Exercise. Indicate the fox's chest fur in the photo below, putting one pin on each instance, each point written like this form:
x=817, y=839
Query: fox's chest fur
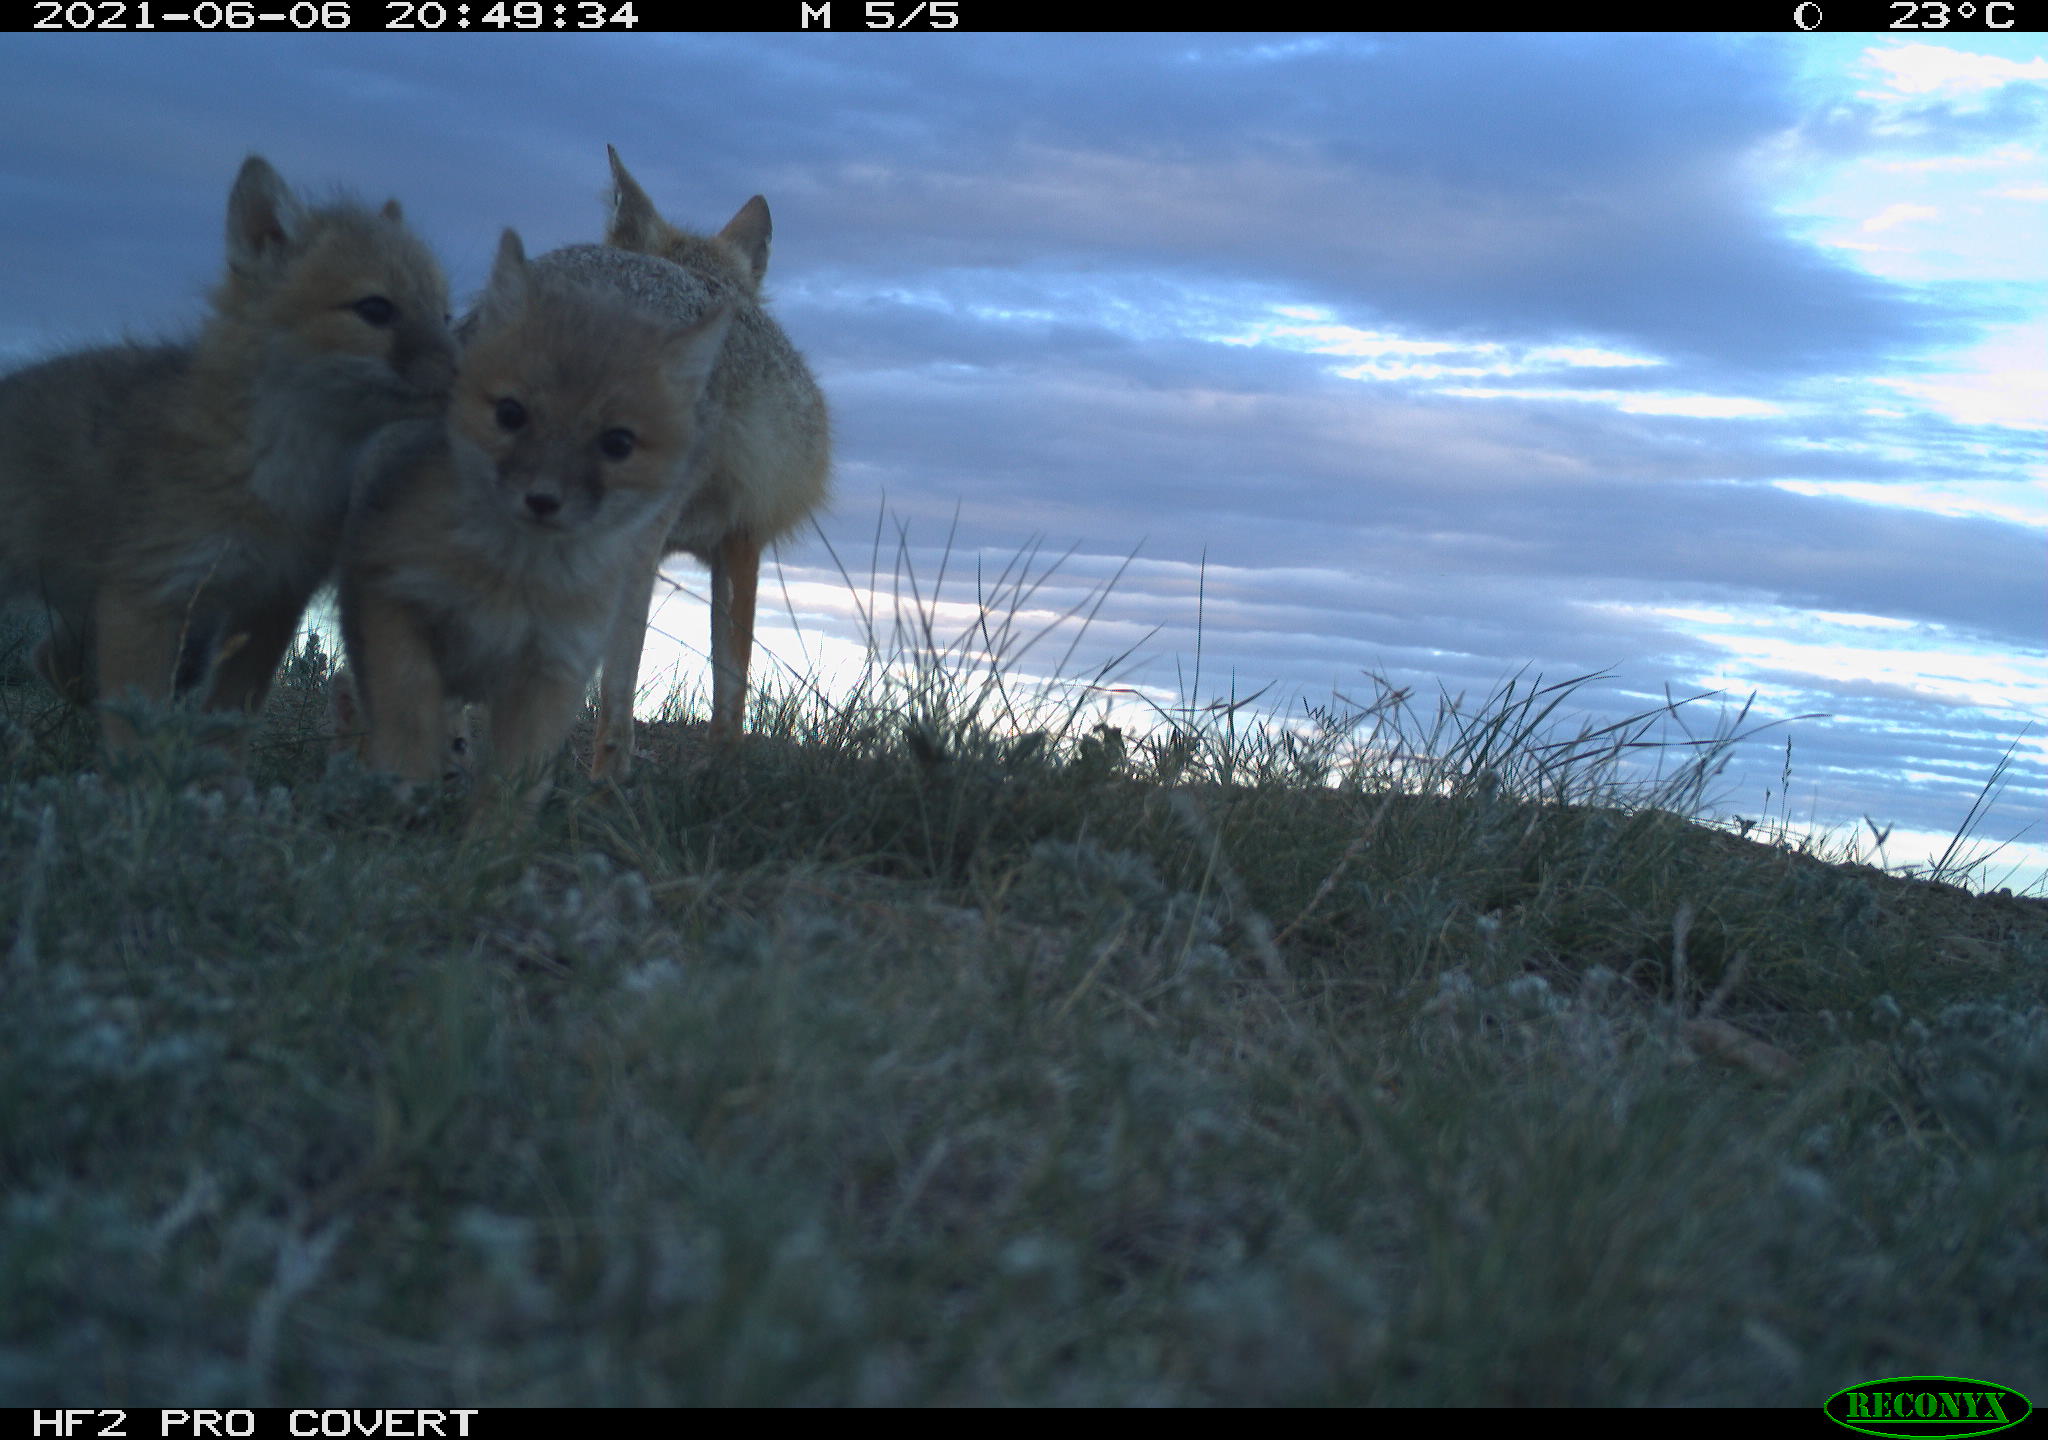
x=506, y=597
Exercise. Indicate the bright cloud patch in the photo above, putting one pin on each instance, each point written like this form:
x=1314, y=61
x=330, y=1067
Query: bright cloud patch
x=2002, y=381
x=1841, y=653
x=2019, y=504
x=1892, y=215
x=1973, y=214
x=1937, y=69
x=1387, y=356
x=1630, y=402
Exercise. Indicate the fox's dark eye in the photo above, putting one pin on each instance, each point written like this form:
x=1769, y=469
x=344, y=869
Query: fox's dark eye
x=617, y=443
x=375, y=310
x=511, y=414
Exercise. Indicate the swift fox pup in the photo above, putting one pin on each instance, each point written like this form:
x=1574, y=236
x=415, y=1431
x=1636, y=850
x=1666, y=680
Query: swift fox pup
x=488, y=554
x=766, y=448
x=175, y=506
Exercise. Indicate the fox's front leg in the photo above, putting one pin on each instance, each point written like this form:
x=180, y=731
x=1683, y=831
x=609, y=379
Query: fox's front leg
x=529, y=721
x=242, y=677
x=611, y=752
x=398, y=689
x=139, y=641
x=349, y=735
x=735, y=576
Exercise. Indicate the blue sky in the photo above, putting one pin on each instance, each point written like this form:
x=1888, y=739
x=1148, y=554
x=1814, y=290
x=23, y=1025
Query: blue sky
x=1715, y=362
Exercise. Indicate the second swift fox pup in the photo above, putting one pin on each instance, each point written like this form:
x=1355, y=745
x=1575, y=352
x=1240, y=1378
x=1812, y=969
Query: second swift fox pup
x=767, y=443
x=175, y=506
x=487, y=555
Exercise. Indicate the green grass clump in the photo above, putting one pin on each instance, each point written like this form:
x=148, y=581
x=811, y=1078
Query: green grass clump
x=942, y=1044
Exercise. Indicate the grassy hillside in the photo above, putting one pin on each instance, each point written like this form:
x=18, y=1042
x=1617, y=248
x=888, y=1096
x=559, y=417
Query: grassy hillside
x=892, y=1058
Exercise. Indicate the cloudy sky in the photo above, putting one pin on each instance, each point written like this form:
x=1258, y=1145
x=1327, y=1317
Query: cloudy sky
x=1713, y=362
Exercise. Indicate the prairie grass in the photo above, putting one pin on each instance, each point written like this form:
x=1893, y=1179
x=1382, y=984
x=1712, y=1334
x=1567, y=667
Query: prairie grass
x=945, y=1044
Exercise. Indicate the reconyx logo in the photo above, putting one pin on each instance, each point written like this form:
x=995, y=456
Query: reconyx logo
x=1912, y=1406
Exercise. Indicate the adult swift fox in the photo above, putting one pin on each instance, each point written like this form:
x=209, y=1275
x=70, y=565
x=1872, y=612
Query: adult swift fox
x=767, y=444
x=175, y=506
x=488, y=554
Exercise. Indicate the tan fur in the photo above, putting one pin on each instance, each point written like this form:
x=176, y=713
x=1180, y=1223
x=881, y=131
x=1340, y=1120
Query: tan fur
x=488, y=556
x=174, y=506
x=350, y=732
x=767, y=447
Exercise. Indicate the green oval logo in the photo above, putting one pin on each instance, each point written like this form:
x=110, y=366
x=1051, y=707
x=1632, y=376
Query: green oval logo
x=1912, y=1406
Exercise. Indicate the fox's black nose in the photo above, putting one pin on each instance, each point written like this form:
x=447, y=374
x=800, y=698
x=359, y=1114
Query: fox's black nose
x=542, y=505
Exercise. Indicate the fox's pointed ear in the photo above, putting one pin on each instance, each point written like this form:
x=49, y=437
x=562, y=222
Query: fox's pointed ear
x=510, y=253
x=264, y=217
x=748, y=232
x=690, y=355
x=505, y=299
x=635, y=223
